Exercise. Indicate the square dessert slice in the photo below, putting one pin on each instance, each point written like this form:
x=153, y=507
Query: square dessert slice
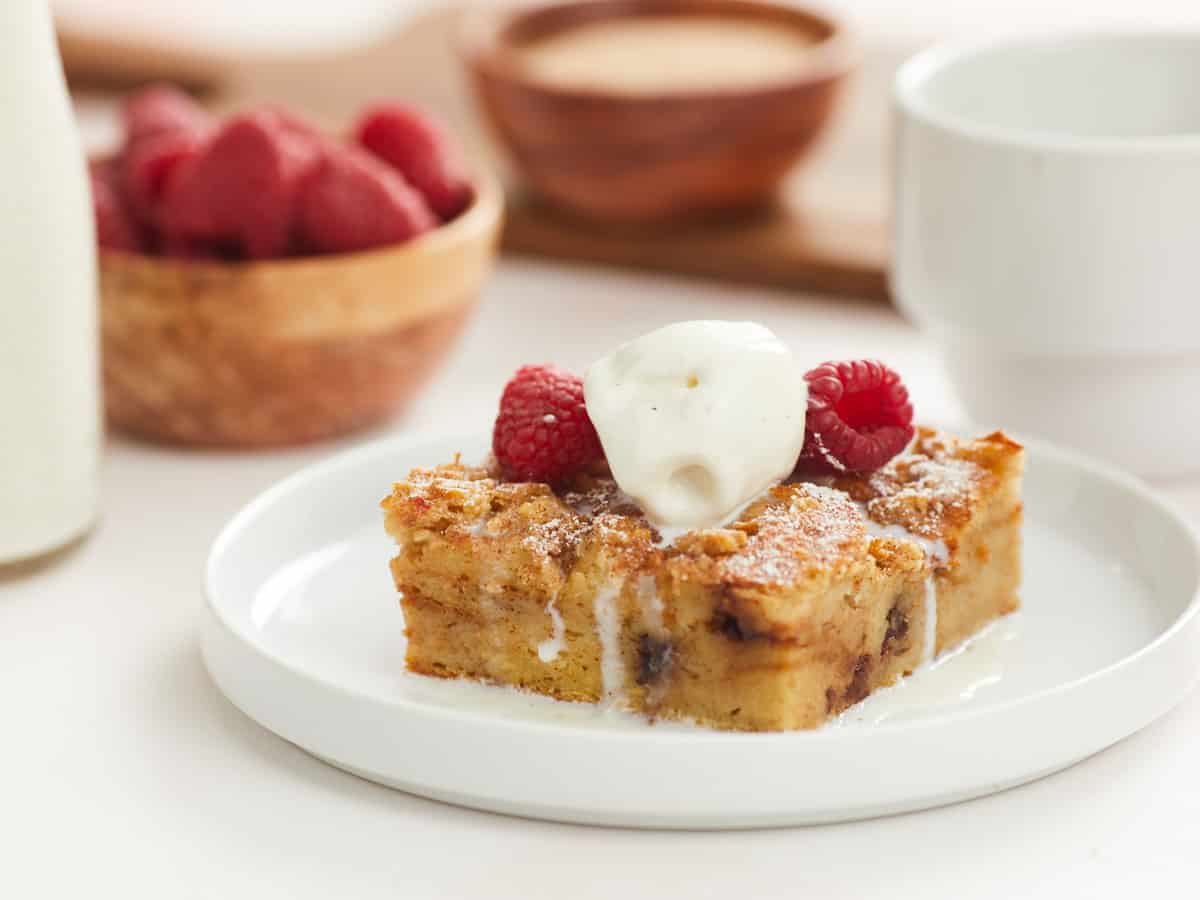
x=818, y=595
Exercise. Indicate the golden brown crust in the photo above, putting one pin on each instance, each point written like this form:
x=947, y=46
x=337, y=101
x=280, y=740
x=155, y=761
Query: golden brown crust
x=936, y=486
x=808, y=602
x=801, y=536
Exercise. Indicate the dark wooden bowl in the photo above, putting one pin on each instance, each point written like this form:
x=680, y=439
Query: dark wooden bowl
x=652, y=156
x=287, y=351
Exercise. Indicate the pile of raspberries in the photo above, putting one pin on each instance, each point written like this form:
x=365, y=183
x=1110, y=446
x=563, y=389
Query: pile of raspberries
x=266, y=184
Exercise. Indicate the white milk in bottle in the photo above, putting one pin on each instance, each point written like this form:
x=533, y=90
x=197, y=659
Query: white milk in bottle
x=49, y=377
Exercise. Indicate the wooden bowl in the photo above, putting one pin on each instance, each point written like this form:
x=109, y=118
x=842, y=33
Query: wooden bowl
x=612, y=154
x=286, y=351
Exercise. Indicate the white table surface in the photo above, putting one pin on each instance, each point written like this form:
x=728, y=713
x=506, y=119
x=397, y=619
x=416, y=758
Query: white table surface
x=127, y=774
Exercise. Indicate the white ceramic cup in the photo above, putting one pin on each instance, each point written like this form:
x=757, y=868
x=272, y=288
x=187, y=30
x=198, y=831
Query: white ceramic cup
x=1047, y=235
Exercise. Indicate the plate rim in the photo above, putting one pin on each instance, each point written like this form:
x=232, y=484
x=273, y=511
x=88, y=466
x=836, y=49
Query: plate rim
x=413, y=441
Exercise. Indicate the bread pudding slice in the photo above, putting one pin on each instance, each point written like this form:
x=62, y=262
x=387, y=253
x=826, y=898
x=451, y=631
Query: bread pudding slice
x=820, y=593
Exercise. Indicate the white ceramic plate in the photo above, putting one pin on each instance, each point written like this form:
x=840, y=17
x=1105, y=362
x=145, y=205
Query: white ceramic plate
x=306, y=636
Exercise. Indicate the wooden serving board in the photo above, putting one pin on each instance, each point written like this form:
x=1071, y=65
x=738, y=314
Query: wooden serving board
x=828, y=232
x=791, y=246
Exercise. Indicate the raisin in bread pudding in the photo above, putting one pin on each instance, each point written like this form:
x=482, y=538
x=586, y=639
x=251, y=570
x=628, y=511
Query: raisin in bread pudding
x=831, y=582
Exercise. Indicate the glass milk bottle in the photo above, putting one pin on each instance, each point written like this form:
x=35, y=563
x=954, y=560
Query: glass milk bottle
x=50, y=429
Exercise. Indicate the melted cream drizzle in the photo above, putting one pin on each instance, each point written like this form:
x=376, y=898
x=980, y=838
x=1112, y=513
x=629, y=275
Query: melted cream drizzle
x=936, y=554
x=651, y=603
x=652, y=615
x=929, y=648
x=669, y=533
x=953, y=679
x=608, y=630
x=549, y=649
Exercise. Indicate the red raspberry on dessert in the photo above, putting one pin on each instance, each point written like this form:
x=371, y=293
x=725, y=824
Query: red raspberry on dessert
x=543, y=432
x=352, y=201
x=859, y=417
x=412, y=143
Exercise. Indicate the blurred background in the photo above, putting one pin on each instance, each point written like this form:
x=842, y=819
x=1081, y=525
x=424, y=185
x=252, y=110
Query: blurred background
x=208, y=43
x=325, y=59
x=823, y=248
x=310, y=24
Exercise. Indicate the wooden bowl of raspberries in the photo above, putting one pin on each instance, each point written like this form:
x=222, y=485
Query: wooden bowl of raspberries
x=263, y=283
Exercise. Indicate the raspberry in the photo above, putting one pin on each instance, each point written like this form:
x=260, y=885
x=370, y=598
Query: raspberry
x=146, y=168
x=543, y=432
x=421, y=151
x=352, y=201
x=115, y=228
x=859, y=416
x=162, y=108
x=163, y=127
x=298, y=126
x=193, y=249
x=242, y=188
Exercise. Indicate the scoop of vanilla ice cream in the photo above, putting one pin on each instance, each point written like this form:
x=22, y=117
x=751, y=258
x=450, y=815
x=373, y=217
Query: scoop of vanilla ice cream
x=698, y=418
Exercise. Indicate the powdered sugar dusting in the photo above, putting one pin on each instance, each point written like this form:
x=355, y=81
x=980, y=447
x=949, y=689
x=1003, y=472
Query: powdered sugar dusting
x=924, y=490
x=554, y=537
x=601, y=498
x=816, y=528
x=942, y=478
